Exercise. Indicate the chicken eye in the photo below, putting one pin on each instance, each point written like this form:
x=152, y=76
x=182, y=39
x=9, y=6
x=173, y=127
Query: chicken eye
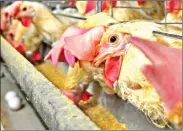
x=24, y=9
x=113, y=39
x=11, y=35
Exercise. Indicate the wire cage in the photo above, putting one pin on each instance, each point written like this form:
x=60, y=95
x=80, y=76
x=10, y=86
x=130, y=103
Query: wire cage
x=40, y=107
x=165, y=9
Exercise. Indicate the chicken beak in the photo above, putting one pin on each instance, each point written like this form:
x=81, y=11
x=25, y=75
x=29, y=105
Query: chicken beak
x=31, y=14
x=26, y=18
x=113, y=58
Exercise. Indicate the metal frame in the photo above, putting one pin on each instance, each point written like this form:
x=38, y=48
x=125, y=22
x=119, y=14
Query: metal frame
x=165, y=11
x=99, y=9
x=55, y=109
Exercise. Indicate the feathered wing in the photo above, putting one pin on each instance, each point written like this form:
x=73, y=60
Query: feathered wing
x=97, y=20
x=75, y=75
x=20, y=32
x=55, y=75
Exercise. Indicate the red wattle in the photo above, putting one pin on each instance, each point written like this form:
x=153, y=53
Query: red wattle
x=36, y=56
x=112, y=70
x=26, y=21
x=85, y=96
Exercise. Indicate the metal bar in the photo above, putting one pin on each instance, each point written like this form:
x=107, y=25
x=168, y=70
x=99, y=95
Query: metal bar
x=118, y=0
x=132, y=7
x=70, y=16
x=168, y=23
x=146, y=0
x=112, y=13
x=99, y=6
x=168, y=35
x=165, y=11
x=56, y=110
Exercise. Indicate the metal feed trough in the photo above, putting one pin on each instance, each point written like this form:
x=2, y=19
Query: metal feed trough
x=56, y=110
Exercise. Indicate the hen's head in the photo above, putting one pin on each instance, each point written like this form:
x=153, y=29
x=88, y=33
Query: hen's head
x=96, y=46
x=8, y=13
x=113, y=47
x=103, y=47
x=26, y=14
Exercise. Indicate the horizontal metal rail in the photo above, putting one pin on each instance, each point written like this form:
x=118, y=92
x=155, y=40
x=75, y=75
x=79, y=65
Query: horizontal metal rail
x=70, y=16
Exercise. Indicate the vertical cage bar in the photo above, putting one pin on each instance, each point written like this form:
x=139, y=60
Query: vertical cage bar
x=99, y=6
x=112, y=15
x=165, y=11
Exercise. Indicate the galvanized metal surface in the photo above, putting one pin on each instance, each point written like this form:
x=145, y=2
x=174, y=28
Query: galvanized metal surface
x=24, y=119
x=123, y=111
x=56, y=110
x=126, y=113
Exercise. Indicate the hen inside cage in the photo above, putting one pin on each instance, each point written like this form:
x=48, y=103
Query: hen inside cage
x=82, y=47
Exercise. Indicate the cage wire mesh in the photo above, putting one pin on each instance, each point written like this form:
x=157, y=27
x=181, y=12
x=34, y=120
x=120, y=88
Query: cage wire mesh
x=99, y=9
x=64, y=4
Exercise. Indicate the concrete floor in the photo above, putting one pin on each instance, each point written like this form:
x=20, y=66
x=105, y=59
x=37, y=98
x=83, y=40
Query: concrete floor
x=24, y=119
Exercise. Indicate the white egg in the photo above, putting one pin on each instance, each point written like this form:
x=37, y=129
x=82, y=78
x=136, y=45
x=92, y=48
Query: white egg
x=9, y=95
x=15, y=103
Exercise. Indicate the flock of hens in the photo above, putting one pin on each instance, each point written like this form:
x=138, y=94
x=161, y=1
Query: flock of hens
x=99, y=47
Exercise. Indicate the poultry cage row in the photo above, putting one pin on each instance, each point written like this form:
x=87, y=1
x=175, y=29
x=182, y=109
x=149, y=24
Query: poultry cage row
x=56, y=110
x=165, y=10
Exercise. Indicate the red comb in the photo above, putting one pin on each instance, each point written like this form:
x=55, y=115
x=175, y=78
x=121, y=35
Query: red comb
x=72, y=3
x=173, y=6
x=141, y=2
